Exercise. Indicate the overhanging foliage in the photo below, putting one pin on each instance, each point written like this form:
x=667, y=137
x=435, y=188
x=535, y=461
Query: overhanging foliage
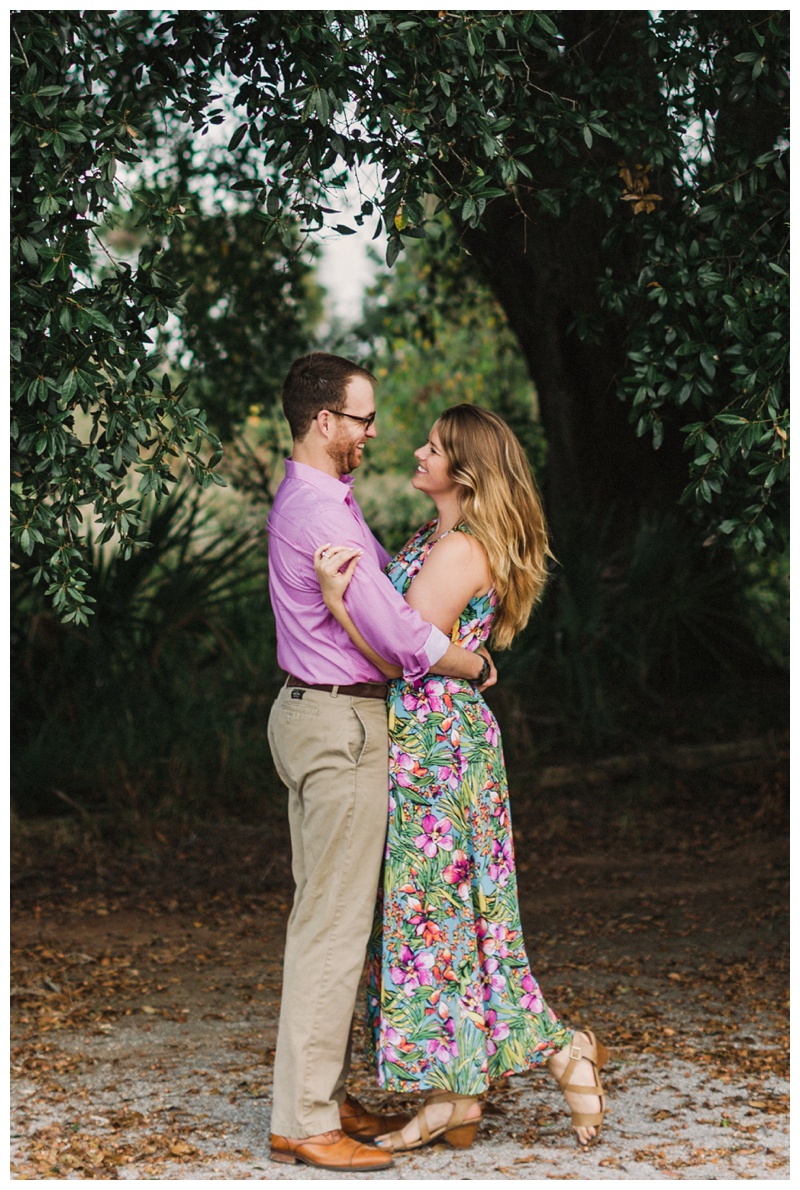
x=523, y=116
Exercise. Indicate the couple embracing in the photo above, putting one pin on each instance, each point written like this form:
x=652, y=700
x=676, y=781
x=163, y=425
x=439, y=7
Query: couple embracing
x=381, y=715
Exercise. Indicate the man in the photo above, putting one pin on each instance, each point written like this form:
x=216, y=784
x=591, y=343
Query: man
x=329, y=739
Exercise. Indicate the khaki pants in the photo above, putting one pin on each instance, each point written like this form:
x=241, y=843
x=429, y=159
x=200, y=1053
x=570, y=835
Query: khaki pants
x=331, y=751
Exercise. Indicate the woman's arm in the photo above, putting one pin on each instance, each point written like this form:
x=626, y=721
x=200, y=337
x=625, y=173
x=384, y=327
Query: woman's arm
x=454, y=572
x=333, y=584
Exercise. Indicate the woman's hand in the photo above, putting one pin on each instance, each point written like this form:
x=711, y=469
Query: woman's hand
x=333, y=581
x=492, y=678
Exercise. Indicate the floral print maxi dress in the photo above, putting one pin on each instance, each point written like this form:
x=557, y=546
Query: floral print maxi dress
x=451, y=1000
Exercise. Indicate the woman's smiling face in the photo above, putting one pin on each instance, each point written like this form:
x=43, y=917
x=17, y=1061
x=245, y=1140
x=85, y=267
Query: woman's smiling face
x=431, y=475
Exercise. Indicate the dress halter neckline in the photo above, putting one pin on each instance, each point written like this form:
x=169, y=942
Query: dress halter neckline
x=460, y=527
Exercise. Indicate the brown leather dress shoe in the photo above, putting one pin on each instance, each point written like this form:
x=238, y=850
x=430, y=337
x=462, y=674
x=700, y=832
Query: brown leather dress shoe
x=361, y=1124
x=331, y=1150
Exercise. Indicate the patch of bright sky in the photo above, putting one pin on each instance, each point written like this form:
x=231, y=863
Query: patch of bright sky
x=347, y=265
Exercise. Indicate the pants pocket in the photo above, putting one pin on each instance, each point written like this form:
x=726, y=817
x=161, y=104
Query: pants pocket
x=273, y=745
x=357, y=735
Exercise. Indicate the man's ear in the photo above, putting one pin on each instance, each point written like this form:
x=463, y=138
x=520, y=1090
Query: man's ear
x=323, y=422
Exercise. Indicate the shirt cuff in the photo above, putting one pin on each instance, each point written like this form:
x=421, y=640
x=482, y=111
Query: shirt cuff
x=436, y=645
x=434, y=648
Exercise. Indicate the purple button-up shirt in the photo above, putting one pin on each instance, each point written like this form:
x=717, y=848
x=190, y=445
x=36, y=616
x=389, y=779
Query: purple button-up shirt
x=312, y=508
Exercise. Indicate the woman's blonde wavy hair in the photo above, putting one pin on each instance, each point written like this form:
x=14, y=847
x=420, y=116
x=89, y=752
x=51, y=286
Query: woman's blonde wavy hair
x=502, y=509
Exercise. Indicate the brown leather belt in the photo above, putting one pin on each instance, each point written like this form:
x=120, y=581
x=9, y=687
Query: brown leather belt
x=357, y=690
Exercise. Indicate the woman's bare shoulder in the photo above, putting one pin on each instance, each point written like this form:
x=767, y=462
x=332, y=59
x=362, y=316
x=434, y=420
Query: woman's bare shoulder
x=461, y=550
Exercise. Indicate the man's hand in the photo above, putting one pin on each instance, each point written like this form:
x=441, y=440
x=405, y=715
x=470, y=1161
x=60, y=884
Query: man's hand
x=492, y=678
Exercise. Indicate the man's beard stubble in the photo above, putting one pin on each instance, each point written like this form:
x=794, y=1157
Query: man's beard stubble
x=345, y=455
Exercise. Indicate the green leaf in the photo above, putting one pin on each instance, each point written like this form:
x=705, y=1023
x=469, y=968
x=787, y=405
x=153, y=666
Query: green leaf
x=322, y=104
x=28, y=249
x=708, y=365
x=238, y=137
x=544, y=21
x=393, y=249
x=98, y=319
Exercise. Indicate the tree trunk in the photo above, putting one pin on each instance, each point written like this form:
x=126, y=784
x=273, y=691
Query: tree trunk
x=543, y=274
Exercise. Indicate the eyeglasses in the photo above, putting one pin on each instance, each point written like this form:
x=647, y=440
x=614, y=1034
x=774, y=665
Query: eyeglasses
x=366, y=422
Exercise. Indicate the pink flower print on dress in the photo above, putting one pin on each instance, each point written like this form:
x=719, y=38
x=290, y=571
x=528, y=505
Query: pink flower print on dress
x=471, y=1002
x=416, y=707
x=394, y=1044
x=424, y=925
x=435, y=836
x=498, y=807
x=458, y=872
x=492, y=939
x=503, y=863
x=492, y=981
x=492, y=735
x=405, y=769
x=445, y=775
x=471, y=633
x=434, y=689
x=413, y=567
x=497, y=1031
x=412, y=970
x=500, y=936
x=533, y=996
x=441, y=1049
x=471, y=994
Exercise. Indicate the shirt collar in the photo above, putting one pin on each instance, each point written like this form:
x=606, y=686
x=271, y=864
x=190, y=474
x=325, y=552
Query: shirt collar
x=338, y=489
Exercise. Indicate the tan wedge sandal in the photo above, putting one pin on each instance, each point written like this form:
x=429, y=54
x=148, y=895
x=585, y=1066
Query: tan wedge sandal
x=598, y=1055
x=458, y=1131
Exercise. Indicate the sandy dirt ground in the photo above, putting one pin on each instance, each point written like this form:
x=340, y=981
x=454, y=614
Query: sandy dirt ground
x=146, y=987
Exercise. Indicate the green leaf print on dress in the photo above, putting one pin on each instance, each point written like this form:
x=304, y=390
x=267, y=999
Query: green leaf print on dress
x=451, y=999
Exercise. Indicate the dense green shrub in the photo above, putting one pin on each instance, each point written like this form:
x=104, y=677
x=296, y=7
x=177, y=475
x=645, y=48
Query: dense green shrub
x=159, y=704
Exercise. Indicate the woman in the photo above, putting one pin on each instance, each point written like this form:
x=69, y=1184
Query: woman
x=451, y=998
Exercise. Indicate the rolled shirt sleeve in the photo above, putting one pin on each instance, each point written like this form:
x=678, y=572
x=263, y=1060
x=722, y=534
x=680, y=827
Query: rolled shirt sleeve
x=388, y=624
x=310, y=509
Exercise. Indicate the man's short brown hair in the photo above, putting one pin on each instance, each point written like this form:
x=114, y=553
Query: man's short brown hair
x=315, y=382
